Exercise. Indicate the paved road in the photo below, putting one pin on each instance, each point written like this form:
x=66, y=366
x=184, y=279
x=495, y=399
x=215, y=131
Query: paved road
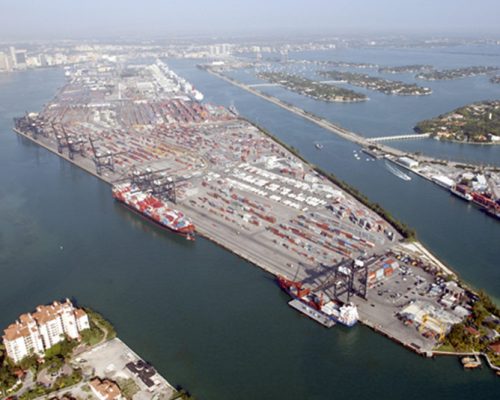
x=330, y=126
x=323, y=123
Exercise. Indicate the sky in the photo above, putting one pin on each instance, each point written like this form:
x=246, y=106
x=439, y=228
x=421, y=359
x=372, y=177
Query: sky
x=57, y=19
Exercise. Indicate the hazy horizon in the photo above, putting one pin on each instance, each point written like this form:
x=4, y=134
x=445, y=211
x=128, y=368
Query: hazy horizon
x=58, y=19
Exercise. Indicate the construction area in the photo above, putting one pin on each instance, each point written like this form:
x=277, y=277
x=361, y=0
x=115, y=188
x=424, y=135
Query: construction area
x=240, y=188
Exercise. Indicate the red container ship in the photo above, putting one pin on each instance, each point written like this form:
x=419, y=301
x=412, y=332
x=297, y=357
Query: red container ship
x=154, y=209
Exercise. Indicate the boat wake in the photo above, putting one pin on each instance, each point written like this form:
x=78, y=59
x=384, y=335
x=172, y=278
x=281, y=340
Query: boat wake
x=396, y=171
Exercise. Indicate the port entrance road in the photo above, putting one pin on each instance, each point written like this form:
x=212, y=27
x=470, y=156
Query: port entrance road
x=338, y=130
x=346, y=134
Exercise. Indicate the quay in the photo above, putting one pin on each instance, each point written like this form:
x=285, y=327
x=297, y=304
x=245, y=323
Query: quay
x=115, y=360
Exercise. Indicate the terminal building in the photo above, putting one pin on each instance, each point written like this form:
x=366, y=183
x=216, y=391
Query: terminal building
x=37, y=332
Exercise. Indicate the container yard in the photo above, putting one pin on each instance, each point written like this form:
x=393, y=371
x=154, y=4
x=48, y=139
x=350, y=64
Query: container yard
x=144, y=130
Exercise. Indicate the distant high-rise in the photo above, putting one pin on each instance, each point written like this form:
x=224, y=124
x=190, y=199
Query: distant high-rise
x=20, y=58
x=12, y=51
x=222, y=49
x=17, y=58
x=5, y=64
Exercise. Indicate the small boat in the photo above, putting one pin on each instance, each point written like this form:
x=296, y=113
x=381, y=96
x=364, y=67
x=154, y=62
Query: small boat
x=319, y=146
x=471, y=362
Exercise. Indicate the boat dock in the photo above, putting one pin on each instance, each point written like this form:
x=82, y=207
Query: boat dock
x=310, y=312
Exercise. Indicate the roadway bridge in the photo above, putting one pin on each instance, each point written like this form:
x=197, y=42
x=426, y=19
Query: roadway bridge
x=399, y=137
x=267, y=84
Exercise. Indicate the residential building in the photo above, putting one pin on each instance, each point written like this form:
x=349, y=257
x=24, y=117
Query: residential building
x=48, y=325
x=105, y=389
x=5, y=64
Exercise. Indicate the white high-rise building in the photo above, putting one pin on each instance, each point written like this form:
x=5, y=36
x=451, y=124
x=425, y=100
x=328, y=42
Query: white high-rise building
x=5, y=64
x=48, y=325
x=12, y=51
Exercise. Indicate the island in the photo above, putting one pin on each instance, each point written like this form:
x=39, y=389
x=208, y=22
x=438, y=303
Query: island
x=405, y=69
x=456, y=73
x=164, y=153
x=62, y=351
x=473, y=123
x=313, y=89
x=378, y=84
x=348, y=64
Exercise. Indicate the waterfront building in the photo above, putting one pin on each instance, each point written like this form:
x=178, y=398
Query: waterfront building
x=5, y=64
x=105, y=389
x=48, y=325
x=222, y=49
x=408, y=162
x=20, y=59
x=12, y=51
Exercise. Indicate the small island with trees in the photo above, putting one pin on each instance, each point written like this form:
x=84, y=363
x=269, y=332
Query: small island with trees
x=313, y=89
x=406, y=69
x=348, y=64
x=456, y=73
x=473, y=123
x=378, y=84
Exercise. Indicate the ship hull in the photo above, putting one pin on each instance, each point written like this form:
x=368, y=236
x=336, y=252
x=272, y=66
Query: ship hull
x=286, y=286
x=461, y=195
x=186, y=234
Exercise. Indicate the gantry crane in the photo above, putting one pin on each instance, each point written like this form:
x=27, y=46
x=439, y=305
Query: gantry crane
x=103, y=160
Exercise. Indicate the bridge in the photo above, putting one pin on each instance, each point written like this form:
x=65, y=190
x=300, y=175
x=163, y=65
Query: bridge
x=399, y=137
x=268, y=84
